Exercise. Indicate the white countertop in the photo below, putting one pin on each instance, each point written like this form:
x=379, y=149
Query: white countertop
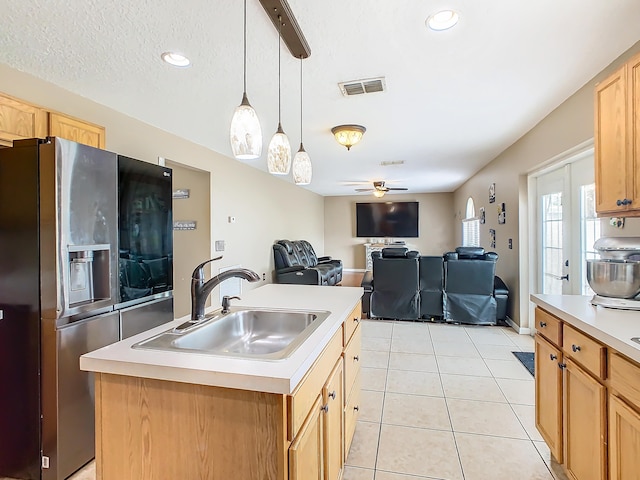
x=273, y=376
x=612, y=327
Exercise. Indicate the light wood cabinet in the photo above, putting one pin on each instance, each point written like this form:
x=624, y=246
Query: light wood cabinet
x=585, y=428
x=624, y=440
x=571, y=398
x=617, y=141
x=76, y=130
x=548, y=380
x=305, y=453
x=19, y=120
x=333, y=398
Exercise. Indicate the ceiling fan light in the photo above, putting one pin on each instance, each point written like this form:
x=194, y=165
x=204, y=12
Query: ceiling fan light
x=443, y=20
x=348, y=135
x=245, y=133
x=302, y=169
x=379, y=193
x=279, y=153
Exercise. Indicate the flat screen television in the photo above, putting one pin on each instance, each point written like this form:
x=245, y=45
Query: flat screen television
x=387, y=219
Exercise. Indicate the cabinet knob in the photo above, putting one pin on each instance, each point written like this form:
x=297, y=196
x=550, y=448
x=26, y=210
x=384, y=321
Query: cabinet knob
x=553, y=357
x=562, y=366
x=356, y=358
x=356, y=408
x=619, y=202
x=543, y=324
x=575, y=348
x=626, y=201
x=333, y=395
x=356, y=319
x=325, y=408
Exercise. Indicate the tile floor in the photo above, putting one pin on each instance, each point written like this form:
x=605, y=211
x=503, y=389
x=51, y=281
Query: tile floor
x=443, y=402
x=446, y=402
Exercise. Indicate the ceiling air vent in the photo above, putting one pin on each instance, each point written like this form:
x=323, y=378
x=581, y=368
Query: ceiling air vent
x=358, y=87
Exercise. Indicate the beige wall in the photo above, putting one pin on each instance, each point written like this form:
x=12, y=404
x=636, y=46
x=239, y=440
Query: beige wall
x=266, y=208
x=436, y=226
x=569, y=125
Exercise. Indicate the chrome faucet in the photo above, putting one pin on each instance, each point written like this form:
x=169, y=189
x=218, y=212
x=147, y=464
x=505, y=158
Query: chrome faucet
x=200, y=289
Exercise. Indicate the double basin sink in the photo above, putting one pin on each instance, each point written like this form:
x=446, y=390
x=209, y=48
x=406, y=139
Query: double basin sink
x=265, y=334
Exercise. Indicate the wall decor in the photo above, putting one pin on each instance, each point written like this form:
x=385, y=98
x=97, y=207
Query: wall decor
x=185, y=225
x=492, y=237
x=492, y=193
x=482, y=218
x=181, y=193
x=502, y=214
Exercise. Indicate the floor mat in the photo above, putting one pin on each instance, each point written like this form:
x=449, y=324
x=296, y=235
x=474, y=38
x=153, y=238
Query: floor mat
x=526, y=358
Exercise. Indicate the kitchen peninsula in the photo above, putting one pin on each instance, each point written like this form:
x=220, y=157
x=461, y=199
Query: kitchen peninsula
x=587, y=365
x=167, y=414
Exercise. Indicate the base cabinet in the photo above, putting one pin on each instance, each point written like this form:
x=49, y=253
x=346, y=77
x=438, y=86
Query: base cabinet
x=548, y=380
x=333, y=424
x=624, y=440
x=585, y=425
x=305, y=453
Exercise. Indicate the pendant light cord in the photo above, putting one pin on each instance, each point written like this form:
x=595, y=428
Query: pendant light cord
x=301, y=100
x=279, y=48
x=244, y=70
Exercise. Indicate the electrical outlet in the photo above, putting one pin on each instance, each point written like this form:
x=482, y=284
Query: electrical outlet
x=232, y=219
x=511, y=244
x=264, y=277
x=219, y=245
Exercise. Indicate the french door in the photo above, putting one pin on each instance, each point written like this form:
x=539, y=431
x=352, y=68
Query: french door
x=567, y=227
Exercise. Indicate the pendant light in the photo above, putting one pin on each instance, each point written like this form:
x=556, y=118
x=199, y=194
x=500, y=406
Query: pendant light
x=302, y=169
x=245, y=132
x=279, y=153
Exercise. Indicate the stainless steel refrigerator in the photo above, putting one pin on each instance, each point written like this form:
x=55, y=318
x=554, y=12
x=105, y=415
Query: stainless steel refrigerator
x=58, y=287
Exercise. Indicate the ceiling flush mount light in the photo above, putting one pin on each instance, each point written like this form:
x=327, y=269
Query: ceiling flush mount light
x=175, y=59
x=442, y=20
x=348, y=135
x=279, y=154
x=245, y=133
x=379, y=193
x=302, y=169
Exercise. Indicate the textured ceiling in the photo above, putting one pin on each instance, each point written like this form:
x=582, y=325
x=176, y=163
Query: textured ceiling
x=454, y=99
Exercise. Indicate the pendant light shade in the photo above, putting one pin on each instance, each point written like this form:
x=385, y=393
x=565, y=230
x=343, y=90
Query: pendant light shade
x=302, y=169
x=245, y=133
x=279, y=153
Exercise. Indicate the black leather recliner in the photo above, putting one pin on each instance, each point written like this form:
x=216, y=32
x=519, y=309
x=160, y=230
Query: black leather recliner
x=431, y=285
x=469, y=284
x=396, y=286
x=296, y=262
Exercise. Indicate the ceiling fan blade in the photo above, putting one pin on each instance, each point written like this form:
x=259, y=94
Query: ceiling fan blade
x=397, y=188
x=364, y=189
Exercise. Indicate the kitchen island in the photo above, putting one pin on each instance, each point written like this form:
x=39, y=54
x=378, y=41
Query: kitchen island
x=588, y=386
x=167, y=414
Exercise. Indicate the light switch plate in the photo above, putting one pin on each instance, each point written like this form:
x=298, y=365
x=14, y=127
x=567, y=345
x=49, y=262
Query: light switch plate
x=219, y=245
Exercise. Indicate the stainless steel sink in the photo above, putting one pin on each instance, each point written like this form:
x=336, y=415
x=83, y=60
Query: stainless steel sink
x=249, y=333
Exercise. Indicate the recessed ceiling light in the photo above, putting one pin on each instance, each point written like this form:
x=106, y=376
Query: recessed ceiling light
x=175, y=59
x=442, y=20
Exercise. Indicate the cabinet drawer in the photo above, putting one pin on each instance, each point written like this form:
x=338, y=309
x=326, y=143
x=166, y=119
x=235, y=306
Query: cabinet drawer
x=624, y=378
x=351, y=323
x=549, y=326
x=352, y=359
x=301, y=401
x=351, y=412
x=584, y=350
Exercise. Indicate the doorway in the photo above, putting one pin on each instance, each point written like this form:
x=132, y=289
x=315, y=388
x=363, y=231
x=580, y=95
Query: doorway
x=191, y=246
x=566, y=225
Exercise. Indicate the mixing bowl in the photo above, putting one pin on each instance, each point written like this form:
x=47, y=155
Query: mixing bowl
x=614, y=278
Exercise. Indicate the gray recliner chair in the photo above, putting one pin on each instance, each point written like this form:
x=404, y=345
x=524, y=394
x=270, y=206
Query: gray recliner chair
x=396, y=286
x=469, y=282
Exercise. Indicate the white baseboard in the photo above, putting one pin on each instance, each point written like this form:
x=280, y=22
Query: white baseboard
x=354, y=270
x=518, y=329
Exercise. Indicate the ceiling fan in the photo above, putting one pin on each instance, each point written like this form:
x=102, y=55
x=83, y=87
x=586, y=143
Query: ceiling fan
x=379, y=189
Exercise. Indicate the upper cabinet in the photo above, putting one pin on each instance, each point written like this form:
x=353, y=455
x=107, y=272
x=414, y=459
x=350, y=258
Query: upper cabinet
x=617, y=141
x=20, y=119
x=76, y=130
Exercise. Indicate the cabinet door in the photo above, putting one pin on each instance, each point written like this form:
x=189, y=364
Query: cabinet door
x=611, y=146
x=333, y=397
x=624, y=441
x=633, y=82
x=76, y=130
x=20, y=120
x=305, y=453
x=585, y=425
x=549, y=395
